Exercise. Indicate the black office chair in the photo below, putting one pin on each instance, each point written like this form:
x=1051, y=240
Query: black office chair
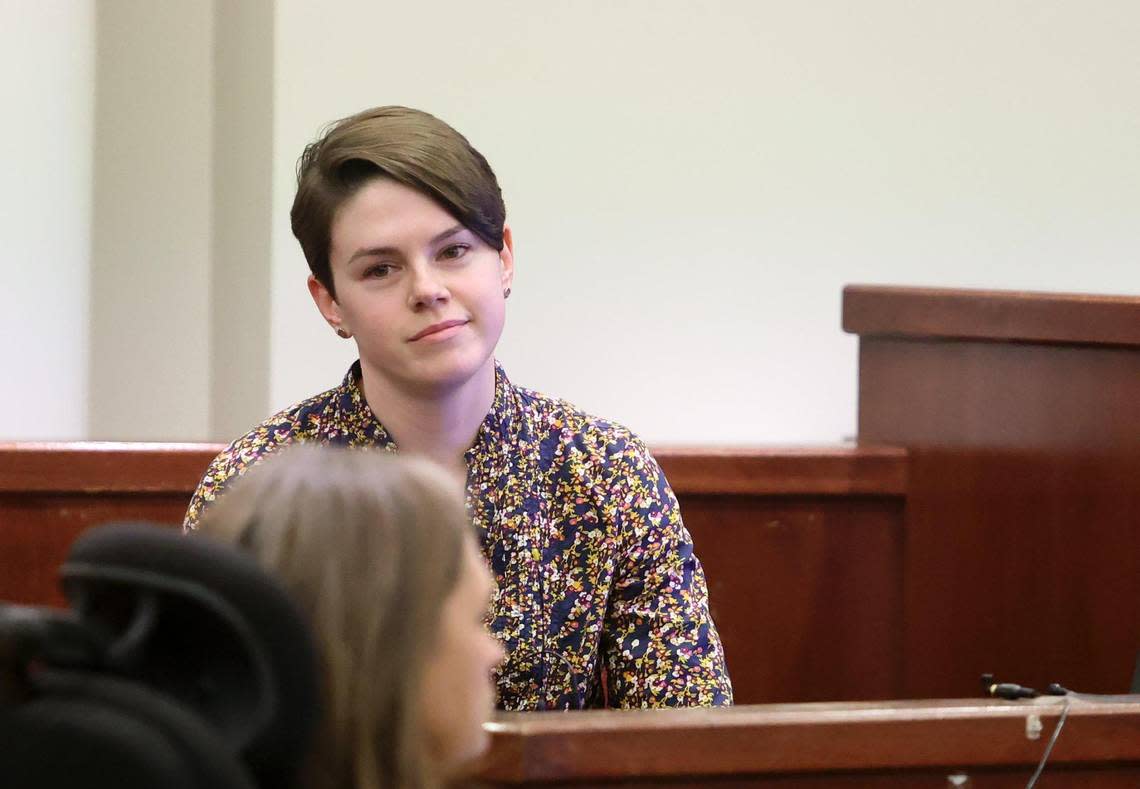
x=180, y=664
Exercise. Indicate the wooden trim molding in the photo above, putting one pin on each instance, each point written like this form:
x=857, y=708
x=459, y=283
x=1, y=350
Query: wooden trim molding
x=120, y=467
x=103, y=467
x=1012, y=316
x=826, y=471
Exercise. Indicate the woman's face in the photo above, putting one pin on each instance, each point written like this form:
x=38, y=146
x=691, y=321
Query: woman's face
x=458, y=690
x=421, y=293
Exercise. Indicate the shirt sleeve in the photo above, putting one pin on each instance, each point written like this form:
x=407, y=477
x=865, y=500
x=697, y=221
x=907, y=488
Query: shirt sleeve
x=661, y=648
x=220, y=472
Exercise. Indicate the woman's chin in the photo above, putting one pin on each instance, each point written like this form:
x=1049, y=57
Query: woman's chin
x=446, y=373
x=467, y=758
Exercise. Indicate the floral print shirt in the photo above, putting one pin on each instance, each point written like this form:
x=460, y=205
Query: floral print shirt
x=600, y=598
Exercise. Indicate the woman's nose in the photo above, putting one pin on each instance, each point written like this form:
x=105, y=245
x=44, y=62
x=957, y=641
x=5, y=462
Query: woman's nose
x=426, y=287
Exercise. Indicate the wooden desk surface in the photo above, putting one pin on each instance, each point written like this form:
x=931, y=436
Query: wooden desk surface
x=904, y=743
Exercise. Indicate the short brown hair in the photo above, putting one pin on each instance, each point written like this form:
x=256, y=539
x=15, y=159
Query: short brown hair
x=370, y=545
x=406, y=145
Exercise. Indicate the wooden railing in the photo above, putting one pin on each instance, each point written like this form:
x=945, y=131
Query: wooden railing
x=982, y=743
x=801, y=547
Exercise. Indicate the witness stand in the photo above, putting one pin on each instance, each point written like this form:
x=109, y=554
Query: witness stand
x=986, y=743
x=988, y=520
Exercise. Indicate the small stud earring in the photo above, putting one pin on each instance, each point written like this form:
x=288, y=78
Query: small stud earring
x=342, y=333
x=507, y=293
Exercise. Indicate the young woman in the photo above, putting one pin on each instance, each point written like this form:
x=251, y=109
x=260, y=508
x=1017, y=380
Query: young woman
x=599, y=598
x=378, y=552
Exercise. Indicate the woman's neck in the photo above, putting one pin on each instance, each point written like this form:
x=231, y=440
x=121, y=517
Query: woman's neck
x=439, y=424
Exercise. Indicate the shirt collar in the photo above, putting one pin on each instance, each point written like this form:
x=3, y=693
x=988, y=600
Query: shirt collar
x=500, y=422
x=354, y=413
x=353, y=409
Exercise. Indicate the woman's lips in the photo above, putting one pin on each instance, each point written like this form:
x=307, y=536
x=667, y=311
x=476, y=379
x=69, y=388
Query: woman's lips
x=439, y=331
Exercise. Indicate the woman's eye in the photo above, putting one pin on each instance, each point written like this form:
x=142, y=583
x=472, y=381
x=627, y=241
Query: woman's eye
x=378, y=271
x=454, y=252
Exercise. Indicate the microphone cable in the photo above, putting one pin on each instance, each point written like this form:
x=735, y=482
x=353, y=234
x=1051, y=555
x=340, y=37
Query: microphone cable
x=1012, y=692
x=1052, y=741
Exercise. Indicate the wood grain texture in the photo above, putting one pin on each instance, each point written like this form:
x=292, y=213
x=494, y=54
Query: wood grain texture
x=1002, y=396
x=881, y=311
x=891, y=744
x=783, y=471
x=36, y=532
x=801, y=546
x=51, y=492
x=1021, y=564
x=103, y=466
x=1022, y=551
x=806, y=592
x=152, y=467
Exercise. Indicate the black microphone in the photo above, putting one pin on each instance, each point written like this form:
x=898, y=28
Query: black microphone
x=1006, y=690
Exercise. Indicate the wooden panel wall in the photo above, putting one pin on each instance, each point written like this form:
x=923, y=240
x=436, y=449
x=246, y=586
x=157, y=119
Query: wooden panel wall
x=1022, y=415
x=803, y=554
x=802, y=548
x=49, y=493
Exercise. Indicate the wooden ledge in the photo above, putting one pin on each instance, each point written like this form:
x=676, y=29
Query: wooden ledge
x=122, y=467
x=103, y=466
x=825, y=471
x=1010, y=316
x=800, y=738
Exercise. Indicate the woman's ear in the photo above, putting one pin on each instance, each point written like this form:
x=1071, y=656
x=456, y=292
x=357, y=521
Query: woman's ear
x=507, y=258
x=327, y=305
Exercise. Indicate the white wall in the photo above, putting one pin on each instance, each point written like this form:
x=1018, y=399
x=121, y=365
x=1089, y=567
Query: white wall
x=691, y=184
x=242, y=216
x=152, y=236
x=46, y=90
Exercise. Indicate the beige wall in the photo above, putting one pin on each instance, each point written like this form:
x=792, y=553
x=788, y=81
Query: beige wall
x=243, y=188
x=180, y=260
x=151, y=251
x=47, y=91
x=690, y=186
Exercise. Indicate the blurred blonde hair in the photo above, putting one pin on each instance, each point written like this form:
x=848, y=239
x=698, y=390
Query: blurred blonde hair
x=370, y=545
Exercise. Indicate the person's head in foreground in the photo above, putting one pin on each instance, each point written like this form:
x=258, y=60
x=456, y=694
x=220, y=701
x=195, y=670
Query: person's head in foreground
x=378, y=552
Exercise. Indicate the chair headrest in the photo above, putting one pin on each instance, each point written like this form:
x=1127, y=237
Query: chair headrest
x=198, y=623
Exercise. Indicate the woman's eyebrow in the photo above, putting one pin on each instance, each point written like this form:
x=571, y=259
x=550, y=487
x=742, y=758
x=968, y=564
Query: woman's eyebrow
x=377, y=251
x=446, y=234
x=372, y=252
